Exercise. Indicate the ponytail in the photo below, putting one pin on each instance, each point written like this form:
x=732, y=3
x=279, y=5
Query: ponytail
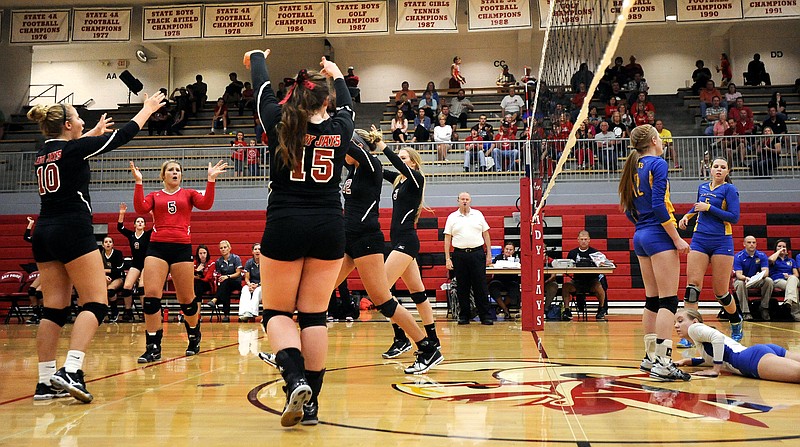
x=306, y=96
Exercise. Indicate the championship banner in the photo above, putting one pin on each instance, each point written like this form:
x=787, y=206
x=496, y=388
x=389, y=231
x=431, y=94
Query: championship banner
x=642, y=11
x=426, y=15
x=295, y=19
x=708, y=10
x=499, y=14
x=568, y=13
x=234, y=20
x=49, y=26
x=360, y=17
x=101, y=25
x=768, y=9
x=172, y=22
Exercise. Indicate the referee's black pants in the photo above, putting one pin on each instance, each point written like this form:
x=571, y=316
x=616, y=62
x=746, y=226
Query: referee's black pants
x=470, y=269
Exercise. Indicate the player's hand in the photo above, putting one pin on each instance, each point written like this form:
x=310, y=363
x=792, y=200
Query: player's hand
x=123, y=207
x=216, y=170
x=30, y=220
x=702, y=206
x=104, y=125
x=154, y=102
x=330, y=69
x=683, y=223
x=683, y=362
x=681, y=246
x=706, y=373
x=246, y=59
x=449, y=264
x=137, y=174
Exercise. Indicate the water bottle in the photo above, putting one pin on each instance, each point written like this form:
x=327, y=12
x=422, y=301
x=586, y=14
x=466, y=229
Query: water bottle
x=165, y=312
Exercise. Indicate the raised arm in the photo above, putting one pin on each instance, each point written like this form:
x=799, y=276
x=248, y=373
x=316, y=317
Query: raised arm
x=205, y=201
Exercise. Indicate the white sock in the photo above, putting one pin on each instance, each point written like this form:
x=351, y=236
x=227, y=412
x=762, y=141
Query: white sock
x=664, y=352
x=650, y=346
x=46, y=371
x=74, y=361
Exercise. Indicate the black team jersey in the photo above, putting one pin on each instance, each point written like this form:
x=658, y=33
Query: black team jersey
x=138, y=245
x=362, y=190
x=406, y=196
x=313, y=188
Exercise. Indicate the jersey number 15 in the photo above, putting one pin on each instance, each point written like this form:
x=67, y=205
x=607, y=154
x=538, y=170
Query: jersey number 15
x=321, y=166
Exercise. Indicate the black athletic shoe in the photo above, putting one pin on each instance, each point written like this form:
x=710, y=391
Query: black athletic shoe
x=34, y=319
x=397, y=348
x=48, y=392
x=269, y=359
x=298, y=393
x=601, y=314
x=72, y=383
x=194, y=345
x=668, y=373
x=152, y=354
x=567, y=315
x=310, y=411
x=425, y=361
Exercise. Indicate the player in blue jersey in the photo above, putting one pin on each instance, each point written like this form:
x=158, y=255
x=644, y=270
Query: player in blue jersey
x=764, y=361
x=644, y=196
x=717, y=208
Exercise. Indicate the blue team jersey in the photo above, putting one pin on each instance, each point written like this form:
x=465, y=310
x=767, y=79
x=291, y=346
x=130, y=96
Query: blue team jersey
x=781, y=266
x=750, y=265
x=652, y=203
x=724, y=211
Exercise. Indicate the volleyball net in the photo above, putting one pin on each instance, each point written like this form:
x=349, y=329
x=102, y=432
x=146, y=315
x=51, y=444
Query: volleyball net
x=576, y=32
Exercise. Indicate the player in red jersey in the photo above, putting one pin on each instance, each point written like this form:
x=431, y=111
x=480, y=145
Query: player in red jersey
x=170, y=250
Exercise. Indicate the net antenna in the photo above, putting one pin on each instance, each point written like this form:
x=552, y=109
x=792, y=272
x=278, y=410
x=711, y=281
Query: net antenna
x=588, y=33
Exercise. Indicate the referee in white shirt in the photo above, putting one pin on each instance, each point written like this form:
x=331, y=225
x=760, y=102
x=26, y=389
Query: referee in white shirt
x=468, y=232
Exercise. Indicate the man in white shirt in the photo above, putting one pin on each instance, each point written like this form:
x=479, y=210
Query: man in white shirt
x=605, y=146
x=512, y=103
x=468, y=232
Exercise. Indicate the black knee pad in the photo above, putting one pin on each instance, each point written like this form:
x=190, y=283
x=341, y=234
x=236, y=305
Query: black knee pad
x=419, y=297
x=692, y=294
x=670, y=303
x=31, y=292
x=725, y=299
x=151, y=306
x=309, y=319
x=388, y=308
x=125, y=293
x=100, y=310
x=651, y=303
x=110, y=293
x=190, y=309
x=39, y=295
x=269, y=313
x=57, y=316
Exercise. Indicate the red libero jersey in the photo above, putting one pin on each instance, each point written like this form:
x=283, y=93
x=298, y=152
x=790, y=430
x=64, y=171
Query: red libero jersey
x=172, y=213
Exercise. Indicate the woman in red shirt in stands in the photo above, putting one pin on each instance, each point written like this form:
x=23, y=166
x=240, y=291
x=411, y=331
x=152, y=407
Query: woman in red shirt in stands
x=170, y=250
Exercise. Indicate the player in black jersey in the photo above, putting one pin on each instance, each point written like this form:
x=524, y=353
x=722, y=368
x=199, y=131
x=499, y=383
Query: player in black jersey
x=407, y=197
x=64, y=245
x=303, y=242
x=139, y=239
x=114, y=267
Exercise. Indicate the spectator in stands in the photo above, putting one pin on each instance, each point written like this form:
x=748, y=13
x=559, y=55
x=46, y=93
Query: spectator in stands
x=503, y=151
x=747, y=264
x=738, y=105
x=200, y=90
x=459, y=108
x=180, y=115
x=442, y=136
x=456, y=78
x=583, y=75
x=617, y=72
x=779, y=104
x=606, y=146
x=352, y=80
x=280, y=93
x=594, y=119
x=512, y=103
x=732, y=94
x=577, y=100
x=712, y=115
x=616, y=91
x=624, y=117
x=775, y=123
x=756, y=72
x=560, y=99
x=611, y=107
x=233, y=92
x=220, y=117
x=422, y=127
x=508, y=284
x=160, y=121
x=506, y=79
x=651, y=118
x=247, y=100
x=204, y=269
x=725, y=68
x=633, y=68
x=585, y=283
x=238, y=154
x=583, y=146
x=701, y=75
x=640, y=114
x=114, y=266
x=744, y=121
x=251, y=291
x=707, y=95
x=485, y=130
x=431, y=87
x=430, y=105
x=784, y=273
x=399, y=127
x=473, y=151
x=636, y=86
x=449, y=119
x=512, y=124
x=253, y=155
x=642, y=98
x=666, y=140
x=768, y=152
x=229, y=279
x=410, y=94
x=406, y=106
x=621, y=134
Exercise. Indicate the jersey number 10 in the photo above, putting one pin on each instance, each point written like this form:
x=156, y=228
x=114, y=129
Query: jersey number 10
x=48, y=178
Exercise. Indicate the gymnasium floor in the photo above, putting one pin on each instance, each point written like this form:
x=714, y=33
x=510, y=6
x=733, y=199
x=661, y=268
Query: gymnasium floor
x=576, y=383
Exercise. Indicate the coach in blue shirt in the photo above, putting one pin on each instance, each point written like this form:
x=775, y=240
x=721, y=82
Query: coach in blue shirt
x=746, y=264
x=784, y=273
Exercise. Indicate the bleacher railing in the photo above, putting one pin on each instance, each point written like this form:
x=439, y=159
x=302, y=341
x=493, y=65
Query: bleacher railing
x=451, y=162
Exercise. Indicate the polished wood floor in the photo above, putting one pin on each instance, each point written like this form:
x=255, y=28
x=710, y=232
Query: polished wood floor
x=576, y=383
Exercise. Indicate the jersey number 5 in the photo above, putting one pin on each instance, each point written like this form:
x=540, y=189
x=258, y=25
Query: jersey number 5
x=172, y=207
x=321, y=166
x=49, y=178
